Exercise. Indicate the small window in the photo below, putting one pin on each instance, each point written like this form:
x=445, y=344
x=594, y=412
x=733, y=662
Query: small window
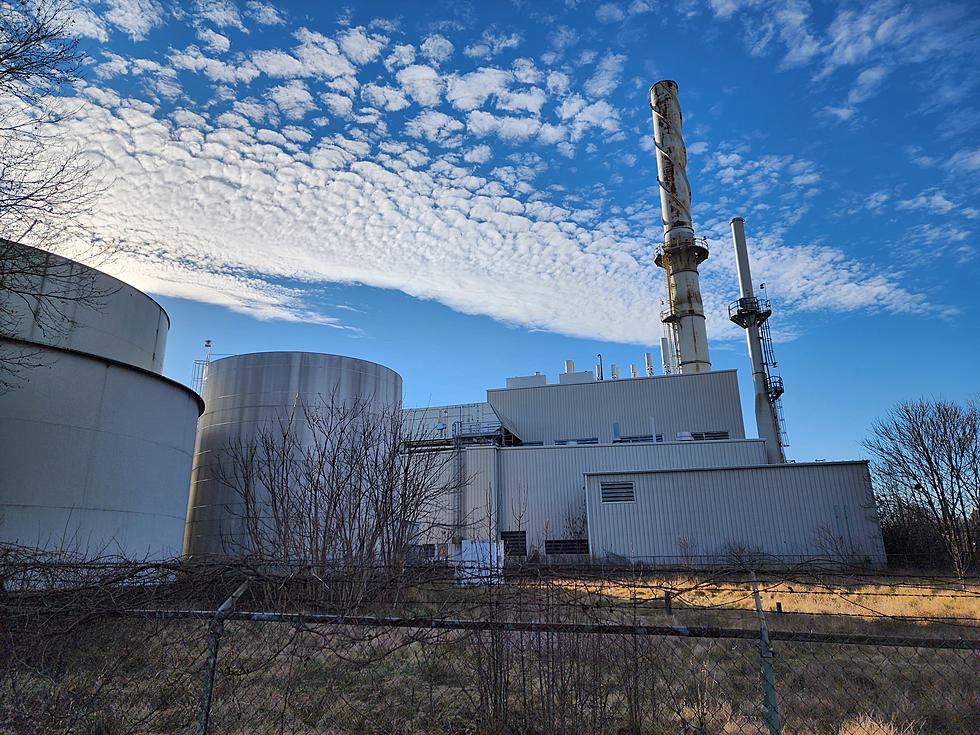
x=566, y=546
x=515, y=543
x=617, y=492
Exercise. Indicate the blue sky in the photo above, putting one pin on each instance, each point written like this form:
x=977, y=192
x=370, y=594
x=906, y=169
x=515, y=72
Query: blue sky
x=466, y=191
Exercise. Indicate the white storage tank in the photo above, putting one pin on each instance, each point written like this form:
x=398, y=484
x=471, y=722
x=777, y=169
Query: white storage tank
x=95, y=445
x=246, y=395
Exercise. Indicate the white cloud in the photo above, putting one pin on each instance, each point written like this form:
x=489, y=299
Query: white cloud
x=135, y=18
x=866, y=84
x=277, y=63
x=436, y=127
x=86, y=24
x=320, y=56
x=422, y=83
x=214, y=40
x=340, y=105
x=528, y=100
x=263, y=13
x=526, y=72
x=293, y=99
x=581, y=116
x=437, y=49
x=841, y=114
x=508, y=128
x=967, y=159
x=609, y=13
x=222, y=13
x=387, y=98
x=401, y=55
x=557, y=83
x=361, y=48
x=606, y=77
x=470, y=91
x=477, y=154
x=216, y=70
x=113, y=66
x=930, y=201
x=492, y=44
x=225, y=215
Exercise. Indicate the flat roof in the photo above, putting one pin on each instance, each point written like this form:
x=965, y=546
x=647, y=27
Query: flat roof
x=614, y=381
x=730, y=468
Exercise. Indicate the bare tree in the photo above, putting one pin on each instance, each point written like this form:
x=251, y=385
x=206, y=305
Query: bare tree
x=336, y=486
x=46, y=185
x=926, y=455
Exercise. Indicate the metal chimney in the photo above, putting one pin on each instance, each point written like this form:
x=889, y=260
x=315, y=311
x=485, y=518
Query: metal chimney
x=751, y=314
x=681, y=252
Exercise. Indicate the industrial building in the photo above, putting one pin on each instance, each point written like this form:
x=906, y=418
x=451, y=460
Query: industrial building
x=651, y=466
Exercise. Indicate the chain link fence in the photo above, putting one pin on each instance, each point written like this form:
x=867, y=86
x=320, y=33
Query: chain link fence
x=537, y=652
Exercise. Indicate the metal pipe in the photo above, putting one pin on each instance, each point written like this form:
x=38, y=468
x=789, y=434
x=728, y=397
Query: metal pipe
x=742, y=258
x=751, y=318
x=681, y=253
x=666, y=359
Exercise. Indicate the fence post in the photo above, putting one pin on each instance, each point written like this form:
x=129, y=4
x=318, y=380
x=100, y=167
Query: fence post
x=215, y=631
x=766, y=669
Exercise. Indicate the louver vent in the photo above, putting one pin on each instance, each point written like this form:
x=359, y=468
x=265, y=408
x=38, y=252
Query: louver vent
x=515, y=543
x=566, y=546
x=709, y=435
x=617, y=492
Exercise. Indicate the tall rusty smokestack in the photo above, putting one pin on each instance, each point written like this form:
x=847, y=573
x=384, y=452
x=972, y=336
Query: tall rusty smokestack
x=681, y=253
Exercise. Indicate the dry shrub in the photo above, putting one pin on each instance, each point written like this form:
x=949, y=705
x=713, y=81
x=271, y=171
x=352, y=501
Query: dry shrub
x=870, y=725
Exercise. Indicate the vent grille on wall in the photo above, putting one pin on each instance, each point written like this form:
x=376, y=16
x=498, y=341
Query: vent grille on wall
x=617, y=492
x=566, y=546
x=709, y=435
x=639, y=439
x=515, y=543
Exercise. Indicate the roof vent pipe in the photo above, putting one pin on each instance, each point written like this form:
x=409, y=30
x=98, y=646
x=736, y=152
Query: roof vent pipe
x=633, y=373
x=598, y=368
x=614, y=372
x=648, y=362
x=569, y=366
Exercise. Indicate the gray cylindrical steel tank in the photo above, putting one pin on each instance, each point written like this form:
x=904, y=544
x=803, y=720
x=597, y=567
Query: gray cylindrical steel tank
x=95, y=313
x=95, y=446
x=247, y=394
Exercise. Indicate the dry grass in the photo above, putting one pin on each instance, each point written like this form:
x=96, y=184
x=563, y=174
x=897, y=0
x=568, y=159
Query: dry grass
x=912, y=607
x=145, y=676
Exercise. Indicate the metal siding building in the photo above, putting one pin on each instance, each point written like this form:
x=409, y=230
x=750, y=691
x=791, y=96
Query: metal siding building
x=246, y=394
x=540, y=490
x=793, y=511
x=661, y=404
x=701, y=497
x=95, y=445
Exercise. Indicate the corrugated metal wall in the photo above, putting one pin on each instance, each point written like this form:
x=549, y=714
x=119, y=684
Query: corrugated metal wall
x=791, y=510
x=541, y=489
x=699, y=402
